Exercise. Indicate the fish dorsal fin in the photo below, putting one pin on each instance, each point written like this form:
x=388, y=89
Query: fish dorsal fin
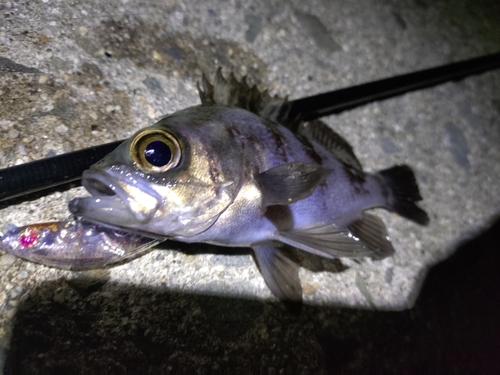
x=320, y=133
x=234, y=93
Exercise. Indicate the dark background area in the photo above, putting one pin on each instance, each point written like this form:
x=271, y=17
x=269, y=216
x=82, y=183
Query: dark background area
x=453, y=328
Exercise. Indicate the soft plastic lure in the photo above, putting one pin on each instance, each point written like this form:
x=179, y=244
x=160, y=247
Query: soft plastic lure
x=73, y=244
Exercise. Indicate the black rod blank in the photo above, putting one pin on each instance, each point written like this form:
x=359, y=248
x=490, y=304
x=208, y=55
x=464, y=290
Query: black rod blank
x=332, y=102
x=46, y=173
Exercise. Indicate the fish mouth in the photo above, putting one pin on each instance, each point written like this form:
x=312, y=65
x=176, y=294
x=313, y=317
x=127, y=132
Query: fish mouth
x=118, y=199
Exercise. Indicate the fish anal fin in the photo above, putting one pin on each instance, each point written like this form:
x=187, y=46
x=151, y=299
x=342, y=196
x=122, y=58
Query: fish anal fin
x=288, y=183
x=371, y=230
x=327, y=240
x=280, y=273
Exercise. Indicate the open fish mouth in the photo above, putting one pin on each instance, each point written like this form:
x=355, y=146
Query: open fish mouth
x=118, y=199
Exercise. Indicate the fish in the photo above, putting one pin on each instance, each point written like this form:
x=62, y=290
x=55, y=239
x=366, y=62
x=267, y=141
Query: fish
x=73, y=244
x=240, y=170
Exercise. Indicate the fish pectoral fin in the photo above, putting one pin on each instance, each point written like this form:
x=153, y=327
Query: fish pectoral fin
x=329, y=241
x=371, y=230
x=280, y=273
x=289, y=183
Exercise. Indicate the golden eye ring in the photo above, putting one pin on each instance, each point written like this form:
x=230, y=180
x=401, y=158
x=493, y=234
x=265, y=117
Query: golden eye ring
x=155, y=151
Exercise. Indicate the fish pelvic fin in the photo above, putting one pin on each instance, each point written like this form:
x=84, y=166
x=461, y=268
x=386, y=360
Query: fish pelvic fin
x=403, y=192
x=371, y=230
x=234, y=93
x=280, y=273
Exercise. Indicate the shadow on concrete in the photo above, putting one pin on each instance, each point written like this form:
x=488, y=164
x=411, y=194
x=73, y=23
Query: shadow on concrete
x=93, y=326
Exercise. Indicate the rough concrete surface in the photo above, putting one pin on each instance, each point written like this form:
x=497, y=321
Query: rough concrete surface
x=79, y=73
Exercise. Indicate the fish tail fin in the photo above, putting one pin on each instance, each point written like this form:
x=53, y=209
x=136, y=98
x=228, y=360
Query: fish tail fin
x=403, y=193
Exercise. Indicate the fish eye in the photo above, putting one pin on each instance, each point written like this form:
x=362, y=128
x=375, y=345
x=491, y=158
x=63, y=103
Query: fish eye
x=155, y=151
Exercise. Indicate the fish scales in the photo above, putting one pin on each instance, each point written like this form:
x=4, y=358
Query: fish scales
x=237, y=170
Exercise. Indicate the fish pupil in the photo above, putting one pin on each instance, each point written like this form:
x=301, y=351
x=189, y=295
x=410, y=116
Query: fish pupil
x=158, y=153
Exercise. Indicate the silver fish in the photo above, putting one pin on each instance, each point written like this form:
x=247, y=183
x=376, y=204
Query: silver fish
x=237, y=171
x=73, y=244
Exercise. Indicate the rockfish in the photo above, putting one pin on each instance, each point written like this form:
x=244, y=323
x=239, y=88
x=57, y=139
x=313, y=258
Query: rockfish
x=238, y=171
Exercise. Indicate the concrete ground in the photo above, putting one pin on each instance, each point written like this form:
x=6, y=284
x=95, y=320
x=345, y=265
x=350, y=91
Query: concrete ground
x=75, y=74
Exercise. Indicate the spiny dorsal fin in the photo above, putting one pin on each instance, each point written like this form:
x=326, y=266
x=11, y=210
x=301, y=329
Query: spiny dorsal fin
x=236, y=93
x=319, y=132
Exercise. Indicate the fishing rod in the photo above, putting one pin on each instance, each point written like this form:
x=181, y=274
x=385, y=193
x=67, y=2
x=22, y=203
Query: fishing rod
x=48, y=173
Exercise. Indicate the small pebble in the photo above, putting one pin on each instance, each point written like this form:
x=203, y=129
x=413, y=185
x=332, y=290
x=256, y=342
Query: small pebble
x=22, y=275
x=310, y=289
x=5, y=124
x=13, y=134
x=82, y=30
x=151, y=112
x=113, y=108
x=7, y=260
x=22, y=150
x=31, y=266
x=59, y=298
x=16, y=292
x=157, y=56
x=51, y=153
x=389, y=274
x=61, y=129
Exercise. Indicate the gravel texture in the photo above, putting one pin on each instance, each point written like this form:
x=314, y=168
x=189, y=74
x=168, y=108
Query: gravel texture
x=75, y=74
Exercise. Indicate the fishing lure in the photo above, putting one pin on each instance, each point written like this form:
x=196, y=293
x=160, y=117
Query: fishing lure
x=73, y=244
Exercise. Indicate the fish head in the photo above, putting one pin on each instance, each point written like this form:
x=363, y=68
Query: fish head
x=172, y=179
